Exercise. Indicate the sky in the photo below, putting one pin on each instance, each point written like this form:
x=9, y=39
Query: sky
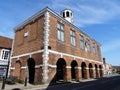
x=100, y=19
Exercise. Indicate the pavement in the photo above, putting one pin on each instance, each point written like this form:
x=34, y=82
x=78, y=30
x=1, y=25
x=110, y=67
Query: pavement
x=18, y=86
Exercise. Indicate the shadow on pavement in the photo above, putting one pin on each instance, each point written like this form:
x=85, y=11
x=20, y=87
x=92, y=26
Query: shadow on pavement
x=55, y=82
x=16, y=89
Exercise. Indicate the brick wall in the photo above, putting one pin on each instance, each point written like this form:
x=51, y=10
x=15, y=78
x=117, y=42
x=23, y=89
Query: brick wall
x=32, y=42
x=66, y=46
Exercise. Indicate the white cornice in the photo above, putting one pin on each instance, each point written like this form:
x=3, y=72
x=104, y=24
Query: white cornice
x=60, y=53
x=42, y=12
x=27, y=54
x=73, y=56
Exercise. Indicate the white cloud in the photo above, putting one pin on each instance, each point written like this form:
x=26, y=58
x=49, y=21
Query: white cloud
x=110, y=46
x=90, y=12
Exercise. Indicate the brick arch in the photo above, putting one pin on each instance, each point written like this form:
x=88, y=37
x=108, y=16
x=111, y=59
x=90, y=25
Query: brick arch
x=96, y=70
x=61, y=69
x=31, y=69
x=83, y=70
x=74, y=70
x=100, y=70
x=91, y=72
x=17, y=68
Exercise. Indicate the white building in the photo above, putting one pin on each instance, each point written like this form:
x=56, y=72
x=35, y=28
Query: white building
x=5, y=49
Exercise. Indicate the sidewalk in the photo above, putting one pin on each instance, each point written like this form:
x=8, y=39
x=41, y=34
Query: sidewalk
x=18, y=86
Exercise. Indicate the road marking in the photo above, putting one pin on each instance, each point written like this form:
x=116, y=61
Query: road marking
x=83, y=87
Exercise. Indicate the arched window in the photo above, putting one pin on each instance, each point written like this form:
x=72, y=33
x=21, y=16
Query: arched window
x=63, y=14
x=67, y=14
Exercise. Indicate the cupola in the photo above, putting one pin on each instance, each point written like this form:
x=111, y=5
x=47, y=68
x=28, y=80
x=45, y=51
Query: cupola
x=67, y=14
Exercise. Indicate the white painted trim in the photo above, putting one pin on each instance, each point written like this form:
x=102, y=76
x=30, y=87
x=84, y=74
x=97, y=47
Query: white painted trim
x=52, y=66
x=86, y=68
x=68, y=67
x=38, y=66
x=27, y=54
x=65, y=54
x=79, y=68
x=42, y=12
x=12, y=68
x=24, y=67
x=46, y=44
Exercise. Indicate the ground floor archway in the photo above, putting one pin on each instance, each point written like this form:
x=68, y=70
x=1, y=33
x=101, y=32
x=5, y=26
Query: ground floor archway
x=83, y=70
x=74, y=70
x=96, y=71
x=91, y=74
x=61, y=69
x=31, y=69
x=101, y=72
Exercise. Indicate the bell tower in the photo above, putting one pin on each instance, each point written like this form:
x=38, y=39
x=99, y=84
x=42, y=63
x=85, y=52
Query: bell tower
x=67, y=14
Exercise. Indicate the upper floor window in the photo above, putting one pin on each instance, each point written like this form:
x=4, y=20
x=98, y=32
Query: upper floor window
x=60, y=33
x=88, y=45
x=81, y=42
x=73, y=38
x=93, y=48
x=98, y=50
x=5, y=54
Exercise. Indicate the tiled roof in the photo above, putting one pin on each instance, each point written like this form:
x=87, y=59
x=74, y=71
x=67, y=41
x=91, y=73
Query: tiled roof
x=5, y=42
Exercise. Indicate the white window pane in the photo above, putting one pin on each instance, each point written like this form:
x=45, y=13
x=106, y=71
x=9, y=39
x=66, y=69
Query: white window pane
x=62, y=36
x=70, y=32
x=58, y=25
x=58, y=35
x=73, y=33
x=74, y=41
x=71, y=40
x=62, y=28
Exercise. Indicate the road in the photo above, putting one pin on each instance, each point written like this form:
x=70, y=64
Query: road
x=109, y=83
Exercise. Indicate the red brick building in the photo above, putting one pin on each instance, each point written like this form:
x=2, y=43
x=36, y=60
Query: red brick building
x=5, y=49
x=47, y=46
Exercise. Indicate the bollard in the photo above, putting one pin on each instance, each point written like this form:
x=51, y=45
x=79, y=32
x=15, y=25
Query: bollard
x=3, y=83
x=25, y=82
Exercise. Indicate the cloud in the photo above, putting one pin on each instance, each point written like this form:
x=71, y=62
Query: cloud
x=90, y=12
x=110, y=46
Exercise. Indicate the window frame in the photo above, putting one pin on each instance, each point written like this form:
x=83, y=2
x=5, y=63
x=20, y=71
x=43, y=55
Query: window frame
x=82, y=42
x=5, y=54
x=93, y=48
x=60, y=32
x=72, y=37
x=88, y=45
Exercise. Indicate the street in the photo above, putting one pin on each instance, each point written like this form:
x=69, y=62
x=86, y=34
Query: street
x=108, y=83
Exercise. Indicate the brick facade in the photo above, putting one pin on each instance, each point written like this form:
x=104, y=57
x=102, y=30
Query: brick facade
x=40, y=56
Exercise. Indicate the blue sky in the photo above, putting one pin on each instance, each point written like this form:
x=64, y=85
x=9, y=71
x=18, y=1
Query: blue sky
x=100, y=19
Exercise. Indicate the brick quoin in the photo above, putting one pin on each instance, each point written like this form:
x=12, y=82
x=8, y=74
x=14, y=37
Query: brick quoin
x=42, y=58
